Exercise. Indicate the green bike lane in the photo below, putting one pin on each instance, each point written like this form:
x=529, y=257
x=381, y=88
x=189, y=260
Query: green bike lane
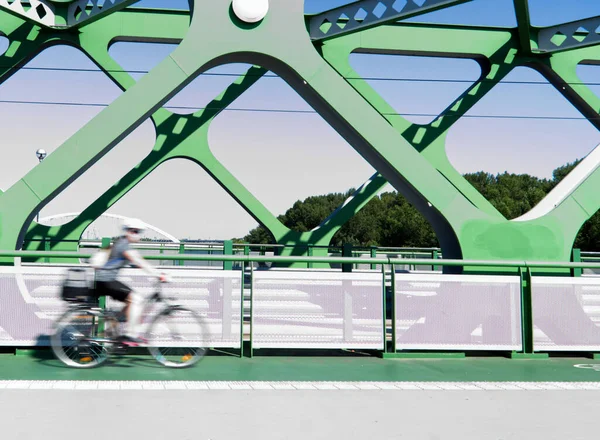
x=298, y=368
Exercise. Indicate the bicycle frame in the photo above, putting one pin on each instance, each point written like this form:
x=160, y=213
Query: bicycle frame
x=147, y=306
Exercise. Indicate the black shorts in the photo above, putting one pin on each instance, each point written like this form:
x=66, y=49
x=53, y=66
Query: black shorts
x=115, y=289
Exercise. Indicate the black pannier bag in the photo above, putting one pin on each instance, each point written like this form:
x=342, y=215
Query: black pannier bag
x=75, y=286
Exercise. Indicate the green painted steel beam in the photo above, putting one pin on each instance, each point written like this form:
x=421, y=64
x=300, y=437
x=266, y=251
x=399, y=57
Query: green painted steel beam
x=524, y=25
x=94, y=43
x=364, y=14
x=80, y=13
x=492, y=49
x=568, y=36
x=63, y=14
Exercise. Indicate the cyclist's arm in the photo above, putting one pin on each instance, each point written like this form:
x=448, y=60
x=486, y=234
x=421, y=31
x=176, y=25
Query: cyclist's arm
x=137, y=260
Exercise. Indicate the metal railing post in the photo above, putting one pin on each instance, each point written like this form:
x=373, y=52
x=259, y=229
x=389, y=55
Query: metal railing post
x=576, y=258
x=228, y=250
x=526, y=310
x=251, y=332
x=47, y=249
x=105, y=244
x=385, y=344
x=373, y=255
x=242, y=309
x=347, y=252
x=181, y=252
x=434, y=256
x=393, y=305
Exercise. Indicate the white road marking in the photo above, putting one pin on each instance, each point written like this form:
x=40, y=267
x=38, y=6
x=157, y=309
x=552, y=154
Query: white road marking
x=295, y=386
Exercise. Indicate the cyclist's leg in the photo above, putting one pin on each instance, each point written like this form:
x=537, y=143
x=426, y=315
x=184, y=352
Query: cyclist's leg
x=117, y=291
x=100, y=289
x=133, y=305
x=136, y=305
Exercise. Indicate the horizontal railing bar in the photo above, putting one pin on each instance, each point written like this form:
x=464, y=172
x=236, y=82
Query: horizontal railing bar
x=335, y=260
x=239, y=248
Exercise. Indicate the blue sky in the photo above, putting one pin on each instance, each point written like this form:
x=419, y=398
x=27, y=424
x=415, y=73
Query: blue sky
x=323, y=162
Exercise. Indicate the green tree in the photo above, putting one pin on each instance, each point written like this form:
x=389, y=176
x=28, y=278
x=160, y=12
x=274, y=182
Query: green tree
x=389, y=220
x=511, y=194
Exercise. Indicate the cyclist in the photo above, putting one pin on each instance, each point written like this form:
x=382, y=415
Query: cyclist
x=107, y=284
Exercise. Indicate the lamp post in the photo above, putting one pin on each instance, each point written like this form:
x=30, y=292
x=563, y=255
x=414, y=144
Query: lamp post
x=41, y=155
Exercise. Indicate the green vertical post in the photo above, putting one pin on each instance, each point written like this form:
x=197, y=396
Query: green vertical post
x=393, y=308
x=47, y=249
x=181, y=252
x=435, y=256
x=347, y=252
x=576, y=257
x=242, y=310
x=309, y=251
x=526, y=310
x=523, y=25
x=104, y=244
x=251, y=309
x=373, y=255
x=228, y=250
x=385, y=345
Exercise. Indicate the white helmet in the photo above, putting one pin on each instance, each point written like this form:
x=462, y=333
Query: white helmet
x=134, y=223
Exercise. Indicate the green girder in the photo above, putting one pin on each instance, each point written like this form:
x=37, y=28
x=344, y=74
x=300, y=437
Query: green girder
x=63, y=14
x=411, y=157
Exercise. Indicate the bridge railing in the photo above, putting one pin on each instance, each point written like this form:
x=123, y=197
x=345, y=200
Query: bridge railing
x=519, y=307
x=221, y=248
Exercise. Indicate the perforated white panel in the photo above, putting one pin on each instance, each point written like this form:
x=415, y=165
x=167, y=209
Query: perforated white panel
x=302, y=309
x=458, y=312
x=30, y=301
x=566, y=313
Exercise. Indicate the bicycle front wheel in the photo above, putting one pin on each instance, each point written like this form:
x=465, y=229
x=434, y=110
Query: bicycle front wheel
x=80, y=338
x=177, y=337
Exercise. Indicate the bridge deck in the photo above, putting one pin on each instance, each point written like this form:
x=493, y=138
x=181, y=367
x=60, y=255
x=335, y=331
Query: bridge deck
x=270, y=368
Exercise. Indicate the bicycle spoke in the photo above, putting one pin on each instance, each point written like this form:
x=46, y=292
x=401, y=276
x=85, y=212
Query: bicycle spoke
x=77, y=341
x=169, y=332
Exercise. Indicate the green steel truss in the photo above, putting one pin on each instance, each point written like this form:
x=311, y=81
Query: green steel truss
x=411, y=157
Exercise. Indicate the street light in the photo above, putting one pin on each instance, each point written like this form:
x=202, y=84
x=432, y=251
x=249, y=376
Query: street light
x=41, y=155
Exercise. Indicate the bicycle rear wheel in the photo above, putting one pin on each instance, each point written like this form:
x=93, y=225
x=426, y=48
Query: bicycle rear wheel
x=177, y=337
x=80, y=339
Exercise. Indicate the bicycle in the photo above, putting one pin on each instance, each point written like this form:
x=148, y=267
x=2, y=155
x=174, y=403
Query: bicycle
x=87, y=335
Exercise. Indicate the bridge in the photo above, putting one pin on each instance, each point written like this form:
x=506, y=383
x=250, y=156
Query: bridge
x=431, y=335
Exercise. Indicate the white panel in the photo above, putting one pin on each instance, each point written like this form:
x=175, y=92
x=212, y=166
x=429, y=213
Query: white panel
x=302, y=309
x=566, y=315
x=458, y=312
x=30, y=301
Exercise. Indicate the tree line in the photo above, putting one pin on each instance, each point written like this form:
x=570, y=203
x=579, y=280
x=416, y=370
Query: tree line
x=389, y=220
